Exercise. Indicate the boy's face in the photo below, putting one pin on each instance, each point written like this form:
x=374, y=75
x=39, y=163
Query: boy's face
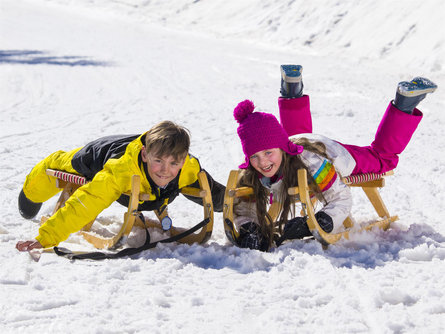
x=162, y=170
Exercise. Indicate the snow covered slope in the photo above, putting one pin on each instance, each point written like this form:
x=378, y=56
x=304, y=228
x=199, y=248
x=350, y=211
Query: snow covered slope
x=408, y=32
x=71, y=71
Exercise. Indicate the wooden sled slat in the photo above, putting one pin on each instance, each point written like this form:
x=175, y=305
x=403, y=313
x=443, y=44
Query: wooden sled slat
x=70, y=183
x=331, y=238
x=129, y=217
x=206, y=232
x=233, y=192
x=206, y=195
x=368, y=182
x=229, y=228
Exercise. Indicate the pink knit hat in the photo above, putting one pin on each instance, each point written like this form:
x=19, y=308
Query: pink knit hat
x=260, y=131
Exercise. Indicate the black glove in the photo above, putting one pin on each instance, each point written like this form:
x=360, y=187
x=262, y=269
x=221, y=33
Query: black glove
x=250, y=237
x=325, y=221
x=296, y=228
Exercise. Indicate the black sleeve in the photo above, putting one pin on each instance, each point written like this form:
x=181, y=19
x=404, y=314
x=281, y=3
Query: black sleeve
x=217, y=190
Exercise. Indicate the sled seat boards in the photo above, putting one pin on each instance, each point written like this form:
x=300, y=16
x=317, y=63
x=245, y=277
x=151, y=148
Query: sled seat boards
x=368, y=182
x=69, y=183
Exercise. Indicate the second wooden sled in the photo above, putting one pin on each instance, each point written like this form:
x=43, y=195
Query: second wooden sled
x=69, y=183
x=370, y=183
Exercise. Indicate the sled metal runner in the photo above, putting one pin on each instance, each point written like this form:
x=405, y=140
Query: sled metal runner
x=69, y=183
x=370, y=183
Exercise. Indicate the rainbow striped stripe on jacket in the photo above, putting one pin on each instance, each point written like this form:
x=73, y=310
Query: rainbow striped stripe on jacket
x=325, y=175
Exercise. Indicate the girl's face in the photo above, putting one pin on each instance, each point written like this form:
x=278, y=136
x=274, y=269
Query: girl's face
x=267, y=162
x=162, y=170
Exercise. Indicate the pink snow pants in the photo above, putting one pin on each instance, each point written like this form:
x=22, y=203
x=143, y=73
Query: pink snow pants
x=393, y=134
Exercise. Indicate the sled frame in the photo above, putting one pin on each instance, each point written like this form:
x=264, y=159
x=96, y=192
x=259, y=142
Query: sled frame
x=69, y=183
x=370, y=183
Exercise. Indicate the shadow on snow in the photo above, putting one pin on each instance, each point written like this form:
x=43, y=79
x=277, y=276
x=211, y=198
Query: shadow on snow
x=370, y=250
x=34, y=57
x=377, y=248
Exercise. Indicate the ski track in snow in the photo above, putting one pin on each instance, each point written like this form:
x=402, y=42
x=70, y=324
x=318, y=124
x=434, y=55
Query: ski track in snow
x=71, y=73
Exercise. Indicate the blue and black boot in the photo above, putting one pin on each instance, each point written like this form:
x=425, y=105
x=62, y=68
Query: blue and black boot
x=409, y=94
x=291, y=81
x=27, y=208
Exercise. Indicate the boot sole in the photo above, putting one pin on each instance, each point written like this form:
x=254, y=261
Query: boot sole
x=297, y=70
x=416, y=92
x=417, y=86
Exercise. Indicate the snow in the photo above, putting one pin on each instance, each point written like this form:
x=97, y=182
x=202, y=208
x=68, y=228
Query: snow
x=72, y=71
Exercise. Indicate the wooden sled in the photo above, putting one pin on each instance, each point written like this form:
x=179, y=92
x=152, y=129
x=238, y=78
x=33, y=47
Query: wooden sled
x=71, y=182
x=368, y=182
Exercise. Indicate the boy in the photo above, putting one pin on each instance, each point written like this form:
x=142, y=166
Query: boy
x=160, y=156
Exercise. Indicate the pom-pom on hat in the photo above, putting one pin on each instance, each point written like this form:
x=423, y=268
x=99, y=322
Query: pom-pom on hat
x=260, y=131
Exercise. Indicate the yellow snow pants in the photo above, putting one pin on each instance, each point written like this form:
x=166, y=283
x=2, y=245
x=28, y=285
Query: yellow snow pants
x=40, y=187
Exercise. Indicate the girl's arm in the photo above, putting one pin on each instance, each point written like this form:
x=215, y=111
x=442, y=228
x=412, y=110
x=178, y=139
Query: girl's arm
x=244, y=212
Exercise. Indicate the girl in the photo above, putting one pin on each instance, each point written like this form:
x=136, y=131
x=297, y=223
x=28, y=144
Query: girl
x=272, y=160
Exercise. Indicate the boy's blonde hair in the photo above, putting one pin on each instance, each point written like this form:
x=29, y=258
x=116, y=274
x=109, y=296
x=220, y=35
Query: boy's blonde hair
x=168, y=139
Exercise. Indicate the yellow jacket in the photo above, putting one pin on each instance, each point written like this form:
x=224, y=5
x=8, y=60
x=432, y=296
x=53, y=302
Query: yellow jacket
x=106, y=187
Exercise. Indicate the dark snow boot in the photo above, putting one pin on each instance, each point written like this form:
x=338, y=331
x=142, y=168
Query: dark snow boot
x=291, y=81
x=409, y=94
x=27, y=208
